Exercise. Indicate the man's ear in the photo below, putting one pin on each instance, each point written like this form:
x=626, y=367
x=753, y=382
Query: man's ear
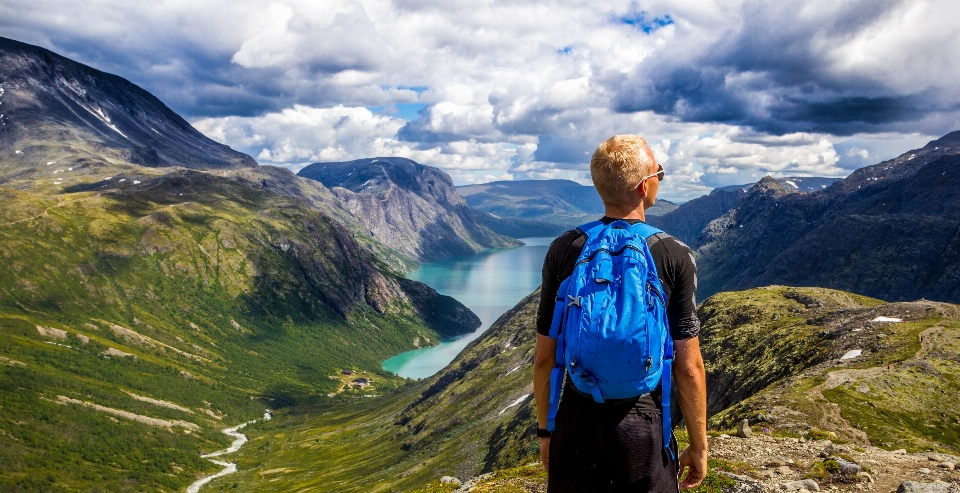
x=642, y=189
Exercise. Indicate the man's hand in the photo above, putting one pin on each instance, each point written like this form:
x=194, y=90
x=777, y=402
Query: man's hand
x=691, y=381
x=544, y=359
x=545, y=453
x=694, y=463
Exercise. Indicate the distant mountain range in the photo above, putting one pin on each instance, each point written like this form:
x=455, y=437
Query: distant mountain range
x=891, y=231
x=410, y=207
x=688, y=220
x=564, y=203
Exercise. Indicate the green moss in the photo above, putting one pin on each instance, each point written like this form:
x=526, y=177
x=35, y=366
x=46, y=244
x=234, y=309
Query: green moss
x=823, y=471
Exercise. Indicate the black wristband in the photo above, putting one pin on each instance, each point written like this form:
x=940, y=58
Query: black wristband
x=542, y=433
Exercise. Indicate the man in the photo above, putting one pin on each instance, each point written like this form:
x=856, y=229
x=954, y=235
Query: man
x=617, y=446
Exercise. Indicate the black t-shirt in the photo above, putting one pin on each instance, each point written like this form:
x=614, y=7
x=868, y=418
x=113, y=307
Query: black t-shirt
x=676, y=269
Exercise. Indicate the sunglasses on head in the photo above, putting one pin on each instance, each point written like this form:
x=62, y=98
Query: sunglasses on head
x=658, y=174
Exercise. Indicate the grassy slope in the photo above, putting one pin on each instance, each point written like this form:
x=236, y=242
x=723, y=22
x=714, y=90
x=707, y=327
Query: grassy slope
x=241, y=298
x=898, y=394
x=765, y=348
x=448, y=424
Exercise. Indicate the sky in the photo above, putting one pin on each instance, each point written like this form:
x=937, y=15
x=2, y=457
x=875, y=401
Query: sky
x=724, y=92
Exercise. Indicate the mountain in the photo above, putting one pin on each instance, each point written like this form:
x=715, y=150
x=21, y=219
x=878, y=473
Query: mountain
x=144, y=306
x=565, y=203
x=516, y=227
x=688, y=220
x=794, y=183
x=56, y=110
x=411, y=207
x=889, y=231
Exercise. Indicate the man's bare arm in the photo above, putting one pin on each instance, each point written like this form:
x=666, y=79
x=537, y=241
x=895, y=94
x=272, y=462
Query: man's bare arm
x=690, y=376
x=545, y=357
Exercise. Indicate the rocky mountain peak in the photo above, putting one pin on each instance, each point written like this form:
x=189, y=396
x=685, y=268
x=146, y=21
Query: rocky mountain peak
x=767, y=184
x=843, y=236
x=410, y=207
x=380, y=175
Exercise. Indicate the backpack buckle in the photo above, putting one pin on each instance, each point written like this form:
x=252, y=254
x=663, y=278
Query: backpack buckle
x=574, y=300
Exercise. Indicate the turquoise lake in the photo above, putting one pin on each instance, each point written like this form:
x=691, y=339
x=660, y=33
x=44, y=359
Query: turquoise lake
x=489, y=283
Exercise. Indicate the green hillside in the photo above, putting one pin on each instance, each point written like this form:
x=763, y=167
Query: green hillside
x=473, y=416
x=208, y=293
x=773, y=357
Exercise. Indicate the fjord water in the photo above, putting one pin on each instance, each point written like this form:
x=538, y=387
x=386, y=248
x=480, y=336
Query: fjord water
x=489, y=283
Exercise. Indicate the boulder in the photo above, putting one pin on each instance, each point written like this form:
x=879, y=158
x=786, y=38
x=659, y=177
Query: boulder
x=917, y=487
x=803, y=484
x=743, y=429
x=834, y=449
x=450, y=480
x=848, y=468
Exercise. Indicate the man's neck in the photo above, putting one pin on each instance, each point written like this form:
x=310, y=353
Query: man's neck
x=625, y=212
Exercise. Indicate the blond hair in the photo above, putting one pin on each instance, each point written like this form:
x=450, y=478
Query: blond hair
x=618, y=165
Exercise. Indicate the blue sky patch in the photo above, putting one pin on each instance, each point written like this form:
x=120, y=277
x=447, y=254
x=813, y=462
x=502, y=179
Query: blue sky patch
x=640, y=21
x=417, y=89
x=406, y=111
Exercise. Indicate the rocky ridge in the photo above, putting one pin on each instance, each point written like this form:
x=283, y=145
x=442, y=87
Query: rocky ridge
x=904, y=212
x=410, y=207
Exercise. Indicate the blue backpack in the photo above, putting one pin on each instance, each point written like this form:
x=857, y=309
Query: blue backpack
x=610, y=321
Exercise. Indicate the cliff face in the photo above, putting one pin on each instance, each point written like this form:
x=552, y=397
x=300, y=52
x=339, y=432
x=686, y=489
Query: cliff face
x=890, y=231
x=412, y=208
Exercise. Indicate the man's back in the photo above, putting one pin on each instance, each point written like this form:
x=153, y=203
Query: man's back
x=632, y=458
x=618, y=445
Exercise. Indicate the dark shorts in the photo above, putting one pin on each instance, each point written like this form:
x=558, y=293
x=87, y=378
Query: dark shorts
x=609, y=448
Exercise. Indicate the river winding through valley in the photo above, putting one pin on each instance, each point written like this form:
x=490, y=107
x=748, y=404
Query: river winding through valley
x=228, y=467
x=489, y=283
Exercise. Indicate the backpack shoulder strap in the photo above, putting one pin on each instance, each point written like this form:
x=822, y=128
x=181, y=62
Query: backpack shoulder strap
x=592, y=229
x=645, y=230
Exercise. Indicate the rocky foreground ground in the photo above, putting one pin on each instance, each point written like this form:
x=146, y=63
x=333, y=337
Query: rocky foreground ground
x=765, y=463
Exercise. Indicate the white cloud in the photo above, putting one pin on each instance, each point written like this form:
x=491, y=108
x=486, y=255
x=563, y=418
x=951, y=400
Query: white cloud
x=526, y=89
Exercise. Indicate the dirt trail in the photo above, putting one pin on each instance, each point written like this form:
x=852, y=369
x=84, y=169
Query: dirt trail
x=830, y=412
x=46, y=212
x=831, y=417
